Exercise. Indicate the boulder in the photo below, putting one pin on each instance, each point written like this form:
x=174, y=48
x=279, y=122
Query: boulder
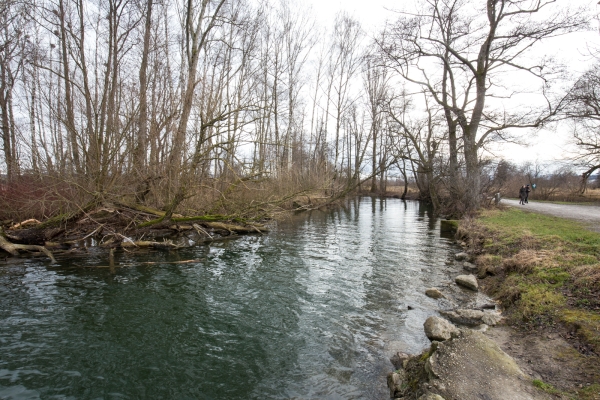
x=434, y=293
x=461, y=256
x=439, y=329
x=472, y=317
x=467, y=281
x=467, y=266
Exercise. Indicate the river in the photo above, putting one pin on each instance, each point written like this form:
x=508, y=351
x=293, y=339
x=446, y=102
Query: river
x=312, y=310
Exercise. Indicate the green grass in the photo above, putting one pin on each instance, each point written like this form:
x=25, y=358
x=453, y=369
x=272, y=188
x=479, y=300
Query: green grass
x=545, y=387
x=515, y=223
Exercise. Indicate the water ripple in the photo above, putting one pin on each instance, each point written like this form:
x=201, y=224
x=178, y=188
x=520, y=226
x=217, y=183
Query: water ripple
x=313, y=310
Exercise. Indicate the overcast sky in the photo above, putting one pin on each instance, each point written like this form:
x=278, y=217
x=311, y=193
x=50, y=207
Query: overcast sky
x=573, y=49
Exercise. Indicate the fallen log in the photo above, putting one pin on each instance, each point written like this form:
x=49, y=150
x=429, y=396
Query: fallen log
x=148, y=244
x=32, y=235
x=13, y=249
x=236, y=228
x=128, y=265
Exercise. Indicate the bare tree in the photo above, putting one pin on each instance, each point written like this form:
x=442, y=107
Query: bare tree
x=13, y=27
x=584, y=109
x=459, y=54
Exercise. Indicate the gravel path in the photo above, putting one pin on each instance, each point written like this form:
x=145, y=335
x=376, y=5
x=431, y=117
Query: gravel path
x=589, y=215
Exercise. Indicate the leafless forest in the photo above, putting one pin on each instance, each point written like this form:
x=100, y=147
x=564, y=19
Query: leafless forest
x=237, y=107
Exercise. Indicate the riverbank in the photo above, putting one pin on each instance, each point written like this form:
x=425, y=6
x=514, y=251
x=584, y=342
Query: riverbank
x=545, y=274
x=545, y=271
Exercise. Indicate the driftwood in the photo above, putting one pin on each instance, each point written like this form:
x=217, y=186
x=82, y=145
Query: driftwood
x=237, y=228
x=14, y=248
x=31, y=221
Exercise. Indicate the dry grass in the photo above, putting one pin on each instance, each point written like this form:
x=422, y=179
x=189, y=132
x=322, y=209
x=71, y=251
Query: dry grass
x=526, y=261
x=587, y=276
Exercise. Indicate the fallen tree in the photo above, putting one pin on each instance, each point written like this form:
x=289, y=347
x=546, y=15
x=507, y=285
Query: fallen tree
x=13, y=248
x=120, y=225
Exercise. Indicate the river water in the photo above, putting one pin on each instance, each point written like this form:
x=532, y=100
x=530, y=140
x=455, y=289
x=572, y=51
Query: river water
x=312, y=310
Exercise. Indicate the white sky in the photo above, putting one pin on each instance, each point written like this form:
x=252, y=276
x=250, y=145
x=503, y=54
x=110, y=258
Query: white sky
x=544, y=146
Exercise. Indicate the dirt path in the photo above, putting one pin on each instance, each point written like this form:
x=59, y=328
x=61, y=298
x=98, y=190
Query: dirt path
x=589, y=215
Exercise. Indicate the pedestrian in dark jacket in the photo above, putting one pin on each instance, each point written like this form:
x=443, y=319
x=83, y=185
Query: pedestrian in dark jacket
x=522, y=194
x=527, y=190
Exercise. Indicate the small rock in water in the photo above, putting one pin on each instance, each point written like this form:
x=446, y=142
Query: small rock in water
x=410, y=307
x=461, y=256
x=434, y=293
x=467, y=281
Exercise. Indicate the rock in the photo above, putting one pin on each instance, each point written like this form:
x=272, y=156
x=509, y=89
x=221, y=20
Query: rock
x=467, y=266
x=398, y=360
x=472, y=317
x=461, y=256
x=491, y=318
x=431, y=396
x=394, y=382
x=472, y=366
x=467, y=281
x=464, y=317
x=434, y=293
x=439, y=329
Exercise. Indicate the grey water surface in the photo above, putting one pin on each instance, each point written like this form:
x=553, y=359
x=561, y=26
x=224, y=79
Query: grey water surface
x=312, y=310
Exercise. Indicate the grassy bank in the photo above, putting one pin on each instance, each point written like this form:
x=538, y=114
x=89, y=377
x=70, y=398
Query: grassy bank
x=544, y=270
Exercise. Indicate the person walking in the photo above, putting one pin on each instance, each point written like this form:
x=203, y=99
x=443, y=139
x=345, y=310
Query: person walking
x=527, y=190
x=522, y=193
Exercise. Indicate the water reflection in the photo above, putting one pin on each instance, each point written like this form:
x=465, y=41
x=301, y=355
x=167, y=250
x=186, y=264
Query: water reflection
x=313, y=310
